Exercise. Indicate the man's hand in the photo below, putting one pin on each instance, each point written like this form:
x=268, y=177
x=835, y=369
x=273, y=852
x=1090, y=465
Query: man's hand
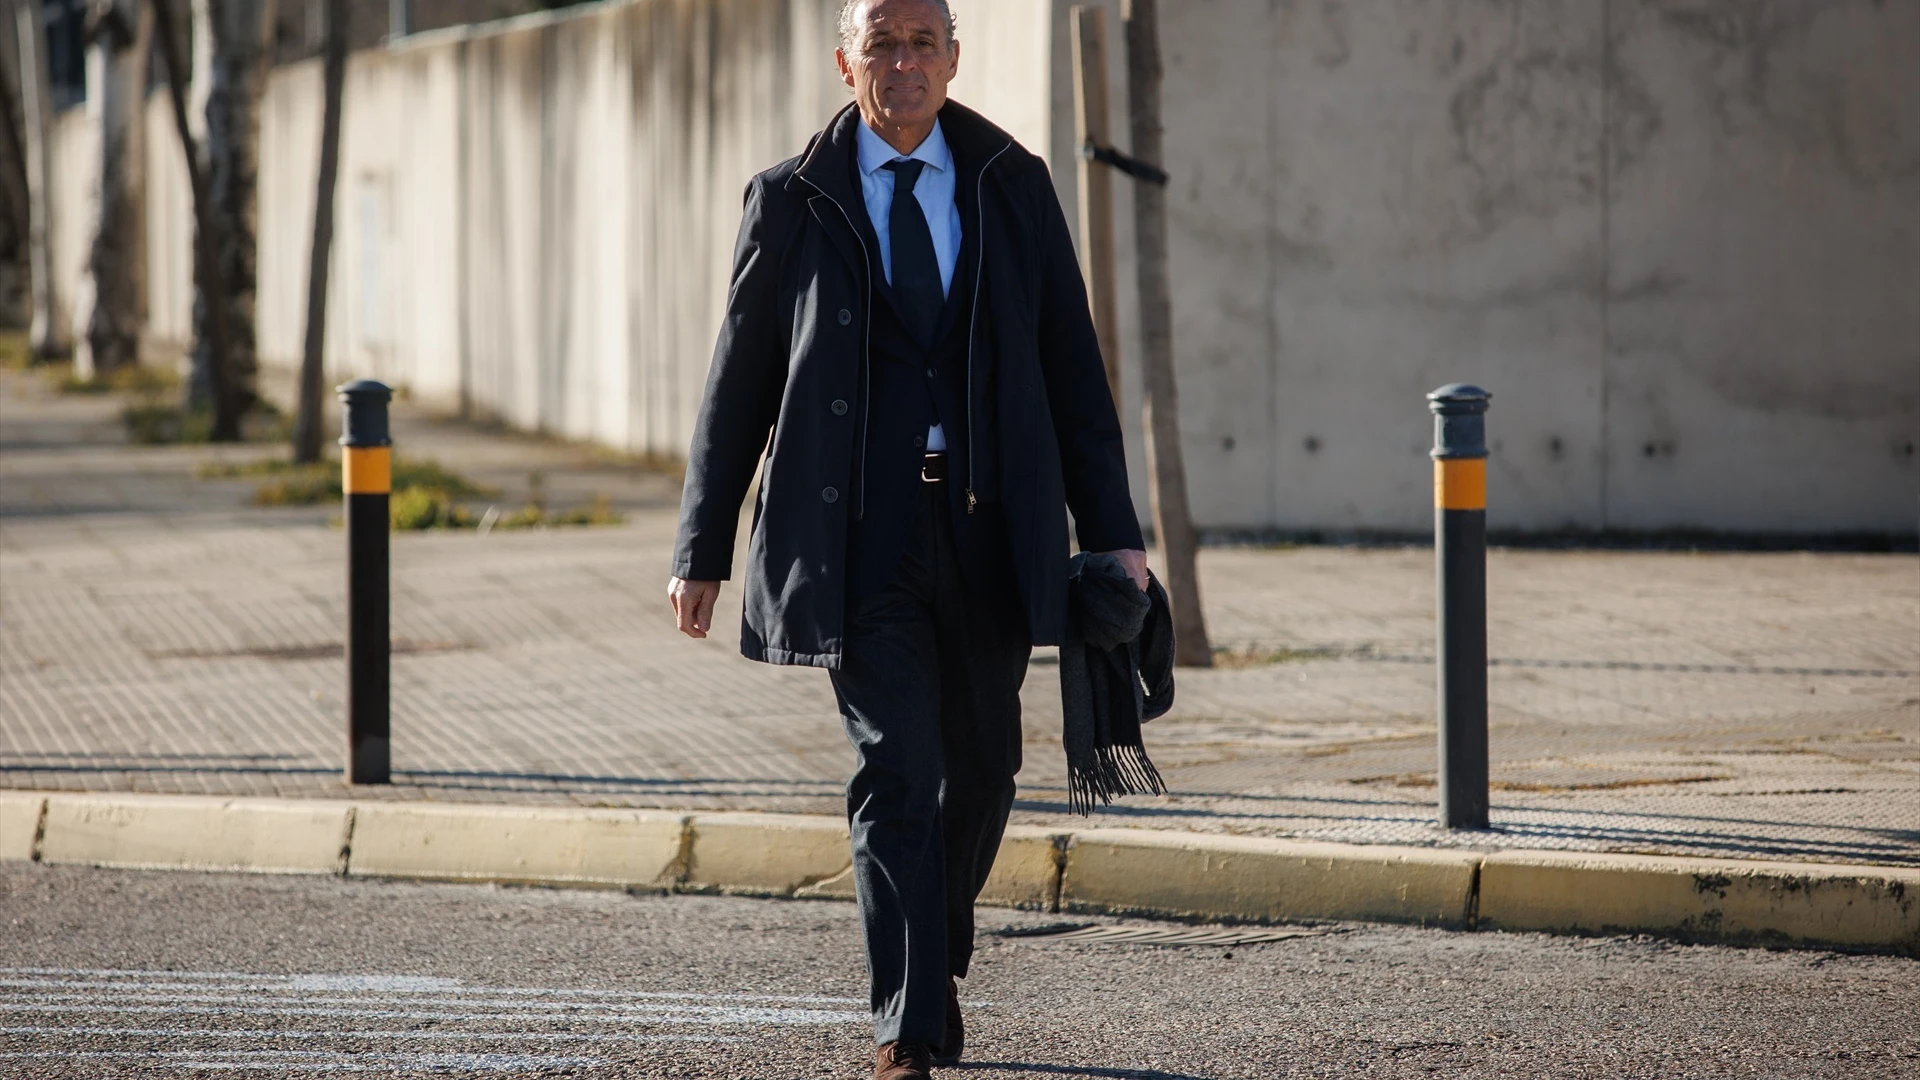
x=693, y=604
x=1135, y=563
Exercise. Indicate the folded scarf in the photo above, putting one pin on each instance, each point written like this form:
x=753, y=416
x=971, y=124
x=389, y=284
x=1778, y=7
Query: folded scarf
x=1116, y=673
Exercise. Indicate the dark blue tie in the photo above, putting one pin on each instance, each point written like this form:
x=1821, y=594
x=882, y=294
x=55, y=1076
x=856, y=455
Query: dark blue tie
x=916, y=272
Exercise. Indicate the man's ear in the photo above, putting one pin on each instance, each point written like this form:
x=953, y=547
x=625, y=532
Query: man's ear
x=953, y=60
x=846, y=68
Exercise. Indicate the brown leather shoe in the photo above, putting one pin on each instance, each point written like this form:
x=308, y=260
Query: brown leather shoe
x=902, y=1061
x=956, y=1040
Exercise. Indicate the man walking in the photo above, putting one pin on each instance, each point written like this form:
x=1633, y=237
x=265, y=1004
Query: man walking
x=907, y=320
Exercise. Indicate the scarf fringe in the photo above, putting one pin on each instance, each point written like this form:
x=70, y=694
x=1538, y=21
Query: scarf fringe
x=1113, y=770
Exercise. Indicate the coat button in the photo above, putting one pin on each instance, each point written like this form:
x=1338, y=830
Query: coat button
x=830, y=495
x=919, y=440
x=932, y=372
x=839, y=407
x=846, y=317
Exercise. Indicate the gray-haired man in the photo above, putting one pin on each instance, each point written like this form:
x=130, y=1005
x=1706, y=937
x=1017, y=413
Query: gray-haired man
x=907, y=318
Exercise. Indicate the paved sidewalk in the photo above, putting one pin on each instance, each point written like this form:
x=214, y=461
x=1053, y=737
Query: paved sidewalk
x=157, y=633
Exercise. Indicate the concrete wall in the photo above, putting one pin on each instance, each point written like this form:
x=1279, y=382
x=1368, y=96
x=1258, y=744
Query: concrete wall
x=1679, y=239
x=536, y=219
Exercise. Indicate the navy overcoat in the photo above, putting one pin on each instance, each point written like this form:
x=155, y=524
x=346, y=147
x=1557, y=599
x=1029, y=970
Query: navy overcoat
x=787, y=393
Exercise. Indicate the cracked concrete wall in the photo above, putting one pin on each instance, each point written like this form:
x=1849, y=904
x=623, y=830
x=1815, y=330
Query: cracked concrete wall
x=1678, y=239
x=1764, y=265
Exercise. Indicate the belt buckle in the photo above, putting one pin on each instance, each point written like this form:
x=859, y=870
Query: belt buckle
x=933, y=468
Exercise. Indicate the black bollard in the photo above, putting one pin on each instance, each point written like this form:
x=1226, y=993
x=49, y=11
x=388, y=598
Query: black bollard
x=1460, y=556
x=366, y=480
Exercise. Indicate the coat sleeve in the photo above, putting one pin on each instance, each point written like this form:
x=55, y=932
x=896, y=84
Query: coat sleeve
x=1092, y=455
x=742, y=400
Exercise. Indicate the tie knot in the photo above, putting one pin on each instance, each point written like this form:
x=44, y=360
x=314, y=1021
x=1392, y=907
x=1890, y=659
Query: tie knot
x=905, y=173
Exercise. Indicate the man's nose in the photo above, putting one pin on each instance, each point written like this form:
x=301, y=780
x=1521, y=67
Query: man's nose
x=903, y=58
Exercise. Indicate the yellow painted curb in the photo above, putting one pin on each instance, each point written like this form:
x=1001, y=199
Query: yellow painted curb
x=1026, y=873
x=768, y=854
x=535, y=844
x=1099, y=870
x=19, y=823
x=1711, y=899
x=1249, y=878
x=195, y=833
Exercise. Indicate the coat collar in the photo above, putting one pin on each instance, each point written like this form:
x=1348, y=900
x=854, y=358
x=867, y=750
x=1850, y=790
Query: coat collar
x=874, y=153
x=827, y=163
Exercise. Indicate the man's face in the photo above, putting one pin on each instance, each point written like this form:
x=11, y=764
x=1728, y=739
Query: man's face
x=901, y=62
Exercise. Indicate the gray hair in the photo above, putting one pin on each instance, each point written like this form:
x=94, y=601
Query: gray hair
x=850, y=22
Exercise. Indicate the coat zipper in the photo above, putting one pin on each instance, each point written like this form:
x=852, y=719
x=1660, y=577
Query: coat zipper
x=973, y=312
x=866, y=337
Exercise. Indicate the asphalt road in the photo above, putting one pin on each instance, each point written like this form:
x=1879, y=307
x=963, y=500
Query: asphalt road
x=126, y=973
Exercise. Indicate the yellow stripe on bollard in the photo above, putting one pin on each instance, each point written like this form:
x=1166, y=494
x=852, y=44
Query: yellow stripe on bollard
x=367, y=470
x=1460, y=484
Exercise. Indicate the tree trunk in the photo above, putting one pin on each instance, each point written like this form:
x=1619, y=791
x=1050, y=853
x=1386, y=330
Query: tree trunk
x=107, y=309
x=14, y=223
x=306, y=432
x=44, y=336
x=1090, y=115
x=230, y=65
x=1172, y=520
x=206, y=228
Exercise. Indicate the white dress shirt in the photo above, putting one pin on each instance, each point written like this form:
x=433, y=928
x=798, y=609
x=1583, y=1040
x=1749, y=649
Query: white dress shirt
x=934, y=191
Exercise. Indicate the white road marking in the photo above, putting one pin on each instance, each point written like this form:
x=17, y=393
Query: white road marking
x=520, y=1006
x=302, y=983
x=206, y=997
x=320, y=1060
x=118, y=972
x=707, y=1015
x=269, y=1033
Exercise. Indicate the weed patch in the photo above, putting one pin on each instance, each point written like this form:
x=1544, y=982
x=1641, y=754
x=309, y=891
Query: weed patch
x=423, y=489
x=424, y=508
x=14, y=354
x=147, y=382
x=153, y=423
x=1230, y=659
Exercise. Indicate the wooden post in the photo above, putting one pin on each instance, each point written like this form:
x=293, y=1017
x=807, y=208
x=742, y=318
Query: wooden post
x=1090, y=113
x=306, y=429
x=1172, y=519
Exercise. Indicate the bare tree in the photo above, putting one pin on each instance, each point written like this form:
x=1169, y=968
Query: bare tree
x=1167, y=472
x=306, y=432
x=14, y=223
x=206, y=229
x=232, y=39
x=44, y=337
x=107, y=308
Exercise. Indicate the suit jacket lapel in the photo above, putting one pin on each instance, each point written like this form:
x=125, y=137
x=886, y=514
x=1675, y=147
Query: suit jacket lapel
x=827, y=169
x=868, y=236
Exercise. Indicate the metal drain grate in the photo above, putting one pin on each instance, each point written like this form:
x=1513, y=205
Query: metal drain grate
x=1157, y=935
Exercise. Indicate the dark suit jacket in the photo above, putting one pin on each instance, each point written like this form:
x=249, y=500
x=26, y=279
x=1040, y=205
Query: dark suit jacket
x=793, y=359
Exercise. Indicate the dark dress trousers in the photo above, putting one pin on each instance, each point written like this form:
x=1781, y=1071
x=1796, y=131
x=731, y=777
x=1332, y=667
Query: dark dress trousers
x=923, y=599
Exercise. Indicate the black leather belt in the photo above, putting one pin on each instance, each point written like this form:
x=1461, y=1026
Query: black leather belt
x=934, y=468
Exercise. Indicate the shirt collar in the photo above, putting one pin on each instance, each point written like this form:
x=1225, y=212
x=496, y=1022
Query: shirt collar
x=874, y=151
